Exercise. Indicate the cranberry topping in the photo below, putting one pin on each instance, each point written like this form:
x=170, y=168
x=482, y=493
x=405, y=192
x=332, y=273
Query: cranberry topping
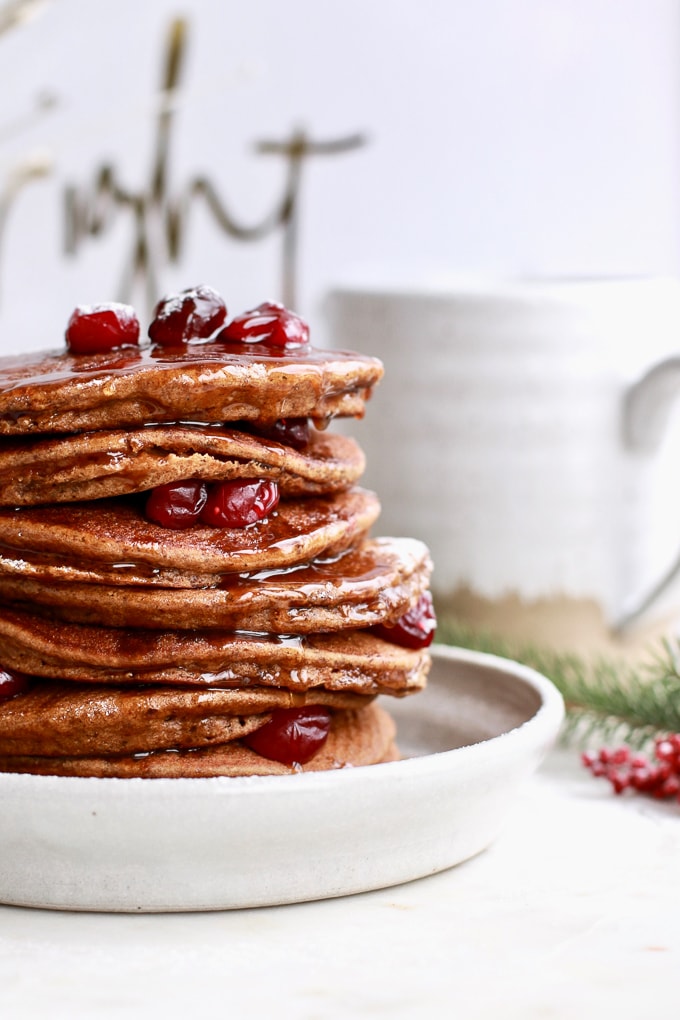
x=415, y=629
x=177, y=505
x=270, y=325
x=235, y=504
x=95, y=328
x=293, y=735
x=193, y=314
x=289, y=431
x=12, y=683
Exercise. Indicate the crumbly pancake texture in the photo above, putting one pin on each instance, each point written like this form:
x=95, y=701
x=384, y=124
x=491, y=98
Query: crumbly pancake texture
x=111, y=542
x=374, y=583
x=364, y=737
x=132, y=386
x=95, y=465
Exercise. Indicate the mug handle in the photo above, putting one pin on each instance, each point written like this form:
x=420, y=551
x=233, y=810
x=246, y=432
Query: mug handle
x=646, y=413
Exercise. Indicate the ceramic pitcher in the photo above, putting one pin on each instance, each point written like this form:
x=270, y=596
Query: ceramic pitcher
x=525, y=430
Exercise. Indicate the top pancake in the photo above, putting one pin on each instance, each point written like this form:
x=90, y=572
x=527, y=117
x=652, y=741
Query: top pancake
x=205, y=382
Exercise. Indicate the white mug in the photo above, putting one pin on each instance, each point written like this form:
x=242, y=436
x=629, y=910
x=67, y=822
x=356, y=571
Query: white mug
x=525, y=431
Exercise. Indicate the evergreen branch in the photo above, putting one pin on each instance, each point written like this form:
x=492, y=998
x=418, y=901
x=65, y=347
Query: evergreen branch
x=606, y=699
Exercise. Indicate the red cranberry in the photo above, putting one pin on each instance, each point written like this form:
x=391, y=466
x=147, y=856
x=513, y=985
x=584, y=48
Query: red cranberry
x=236, y=504
x=628, y=771
x=192, y=314
x=12, y=683
x=293, y=735
x=270, y=325
x=289, y=431
x=95, y=328
x=415, y=629
x=177, y=505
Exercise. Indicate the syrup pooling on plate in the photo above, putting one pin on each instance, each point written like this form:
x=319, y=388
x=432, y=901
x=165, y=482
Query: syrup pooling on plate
x=184, y=538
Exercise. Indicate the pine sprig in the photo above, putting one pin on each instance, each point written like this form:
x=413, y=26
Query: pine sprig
x=607, y=699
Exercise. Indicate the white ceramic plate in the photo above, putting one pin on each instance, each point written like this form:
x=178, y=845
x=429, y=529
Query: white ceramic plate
x=481, y=727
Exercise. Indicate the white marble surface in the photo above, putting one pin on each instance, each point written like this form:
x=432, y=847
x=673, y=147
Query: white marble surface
x=570, y=913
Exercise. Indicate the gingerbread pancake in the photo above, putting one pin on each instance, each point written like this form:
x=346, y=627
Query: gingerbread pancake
x=205, y=382
x=375, y=583
x=364, y=737
x=95, y=465
x=56, y=718
x=111, y=542
x=132, y=647
x=356, y=661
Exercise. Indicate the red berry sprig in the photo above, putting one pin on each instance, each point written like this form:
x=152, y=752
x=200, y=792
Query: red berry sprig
x=629, y=770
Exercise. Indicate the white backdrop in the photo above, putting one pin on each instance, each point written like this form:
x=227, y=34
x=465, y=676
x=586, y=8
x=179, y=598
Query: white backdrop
x=535, y=136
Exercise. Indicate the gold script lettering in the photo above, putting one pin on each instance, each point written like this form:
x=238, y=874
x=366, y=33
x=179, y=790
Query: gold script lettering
x=160, y=218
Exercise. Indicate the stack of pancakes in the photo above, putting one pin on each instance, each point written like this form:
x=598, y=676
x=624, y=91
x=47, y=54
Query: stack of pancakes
x=154, y=652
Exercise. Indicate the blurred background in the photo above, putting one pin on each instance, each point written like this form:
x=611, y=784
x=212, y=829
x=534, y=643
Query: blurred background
x=504, y=136
x=288, y=151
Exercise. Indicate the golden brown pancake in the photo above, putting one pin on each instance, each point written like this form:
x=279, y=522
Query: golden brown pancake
x=95, y=465
x=111, y=542
x=58, y=718
x=356, y=738
x=356, y=661
x=374, y=583
x=155, y=652
x=61, y=392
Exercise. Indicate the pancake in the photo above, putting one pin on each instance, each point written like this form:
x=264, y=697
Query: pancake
x=111, y=542
x=356, y=738
x=356, y=661
x=96, y=465
x=374, y=583
x=56, y=718
x=206, y=382
x=130, y=649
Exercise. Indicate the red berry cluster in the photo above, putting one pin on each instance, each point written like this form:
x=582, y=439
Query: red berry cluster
x=195, y=314
x=293, y=735
x=629, y=770
x=228, y=504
